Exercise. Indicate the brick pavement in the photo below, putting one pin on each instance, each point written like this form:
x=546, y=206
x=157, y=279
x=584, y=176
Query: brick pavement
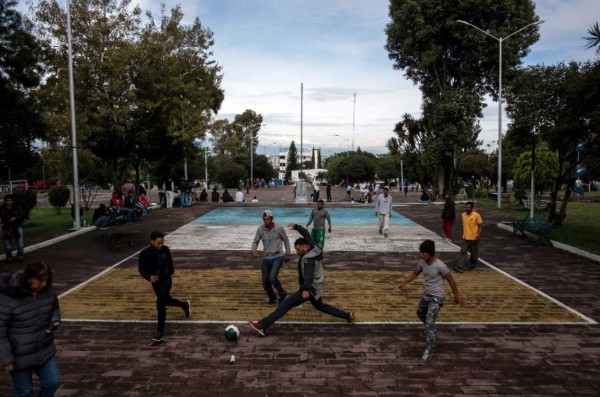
x=110, y=359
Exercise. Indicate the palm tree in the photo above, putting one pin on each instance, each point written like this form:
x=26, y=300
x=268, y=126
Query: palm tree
x=593, y=40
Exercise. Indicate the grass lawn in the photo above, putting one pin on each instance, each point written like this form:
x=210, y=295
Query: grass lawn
x=581, y=227
x=45, y=223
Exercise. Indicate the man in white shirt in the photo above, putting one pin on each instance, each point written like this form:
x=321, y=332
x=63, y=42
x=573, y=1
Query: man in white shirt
x=383, y=209
x=239, y=196
x=255, y=200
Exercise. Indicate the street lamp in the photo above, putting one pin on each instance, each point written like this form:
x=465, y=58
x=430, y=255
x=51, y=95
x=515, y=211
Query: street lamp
x=266, y=146
x=500, y=40
x=347, y=140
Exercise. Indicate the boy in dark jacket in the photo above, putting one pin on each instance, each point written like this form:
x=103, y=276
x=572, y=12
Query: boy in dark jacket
x=311, y=275
x=29, y=315
x=155, y=264
x=448, y=215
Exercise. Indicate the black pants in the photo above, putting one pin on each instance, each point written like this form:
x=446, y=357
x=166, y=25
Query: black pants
x=162, y=290
x=294, y=300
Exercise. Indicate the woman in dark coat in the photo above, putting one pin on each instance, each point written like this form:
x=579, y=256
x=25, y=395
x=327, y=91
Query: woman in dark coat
x=29, y=315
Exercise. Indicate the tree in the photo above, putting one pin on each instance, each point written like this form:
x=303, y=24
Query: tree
x=386, y=168
x=144, y=92
x=558, y=104
x=20, y=71
x=453, y=66
x=229, y=172
x=291, y=163
x=593, y=40
x=545, y=173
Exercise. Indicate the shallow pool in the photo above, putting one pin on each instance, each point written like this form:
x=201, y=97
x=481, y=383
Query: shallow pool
x=283, y=216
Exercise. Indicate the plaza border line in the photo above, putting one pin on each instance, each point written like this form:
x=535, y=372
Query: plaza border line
x=589, y=321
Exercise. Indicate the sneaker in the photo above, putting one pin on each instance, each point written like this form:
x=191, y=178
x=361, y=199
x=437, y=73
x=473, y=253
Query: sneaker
x=187, y=310
x=158, y=337
x=272, y=301
x=9, y=260
x=300, y=306
x=380, y=231
x=426, y=358
x=257, y=326
x=103, y=227
x=385, y=234
x=20, y=258
x=458, y=269
x=350, y=318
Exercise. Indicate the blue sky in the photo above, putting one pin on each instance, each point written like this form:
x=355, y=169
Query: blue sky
x=336, y=48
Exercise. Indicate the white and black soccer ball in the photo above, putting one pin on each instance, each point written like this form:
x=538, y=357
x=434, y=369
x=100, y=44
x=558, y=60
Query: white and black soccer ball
x=232, y=333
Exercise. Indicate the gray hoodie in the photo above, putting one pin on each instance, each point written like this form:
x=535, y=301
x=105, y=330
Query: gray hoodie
x=273, y=240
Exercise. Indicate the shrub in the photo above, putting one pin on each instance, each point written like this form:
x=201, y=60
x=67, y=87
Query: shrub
x=59, y=197
x=26, y=199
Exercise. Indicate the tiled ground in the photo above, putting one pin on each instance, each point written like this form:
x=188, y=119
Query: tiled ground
x=116, y=359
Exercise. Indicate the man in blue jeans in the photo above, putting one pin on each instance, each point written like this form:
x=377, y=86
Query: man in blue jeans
x=273, y=238
x=311, y=275
x=11, y=218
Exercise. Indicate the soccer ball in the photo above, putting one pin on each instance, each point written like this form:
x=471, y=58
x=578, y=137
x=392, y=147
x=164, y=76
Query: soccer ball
x=232, y=333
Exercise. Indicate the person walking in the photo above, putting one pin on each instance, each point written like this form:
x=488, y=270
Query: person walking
x=311, y=276
x=29, y=315
x=318, y=216
x=434, y=295
x=155, y=264
x=273, y=238
x=328, y=192
x=472, y=225
x=11, y=219
x=383, y=209
x=170, y=192
x=448, y=215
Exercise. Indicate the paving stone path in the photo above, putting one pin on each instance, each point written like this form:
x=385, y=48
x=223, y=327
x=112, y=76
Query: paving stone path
x=117, y=359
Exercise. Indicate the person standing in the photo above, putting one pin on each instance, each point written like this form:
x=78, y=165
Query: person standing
x=155, y=264
x=170, y=192
x=383, y=209
x=29, y=315
x=434, y=295
x=273, y=238
x=472, y=225
x=328, y=192
x=11, y=218
x=311, y=276
x=316, y=188
x=448, y=215
x=128, y=187
x=318, y=216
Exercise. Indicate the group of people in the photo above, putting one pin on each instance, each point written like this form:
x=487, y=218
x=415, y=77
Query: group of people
x=226, y=197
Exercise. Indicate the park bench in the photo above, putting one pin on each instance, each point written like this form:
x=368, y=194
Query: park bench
x=537, y=226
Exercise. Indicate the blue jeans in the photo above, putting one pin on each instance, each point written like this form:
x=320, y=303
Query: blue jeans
x=270, y=277
x=20, y=245
x=127, y=212
x=294, y=300
x=49, y=379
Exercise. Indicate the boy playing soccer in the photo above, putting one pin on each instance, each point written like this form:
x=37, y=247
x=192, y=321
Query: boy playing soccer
x=434, y=295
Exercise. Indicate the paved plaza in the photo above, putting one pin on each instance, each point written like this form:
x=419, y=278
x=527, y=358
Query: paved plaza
x=530, y=327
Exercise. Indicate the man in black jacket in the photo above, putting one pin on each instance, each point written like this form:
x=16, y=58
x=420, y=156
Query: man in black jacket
x=156, y=265
x=311, y=275
x=11, y=218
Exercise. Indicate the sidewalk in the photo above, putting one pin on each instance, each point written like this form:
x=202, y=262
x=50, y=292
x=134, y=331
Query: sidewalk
x=116, y=359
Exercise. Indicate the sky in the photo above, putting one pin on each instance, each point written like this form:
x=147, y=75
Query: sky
x=335, y=48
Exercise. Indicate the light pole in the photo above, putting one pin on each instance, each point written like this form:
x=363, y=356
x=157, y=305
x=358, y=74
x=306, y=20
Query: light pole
x=266, y=146
x=347, y=140
x=500, y=40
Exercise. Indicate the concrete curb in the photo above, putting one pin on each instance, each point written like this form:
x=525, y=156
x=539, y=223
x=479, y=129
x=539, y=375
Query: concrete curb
x=559, y=245
x=53, y=241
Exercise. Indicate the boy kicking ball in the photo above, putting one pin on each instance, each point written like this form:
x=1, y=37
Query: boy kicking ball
x=434, y=295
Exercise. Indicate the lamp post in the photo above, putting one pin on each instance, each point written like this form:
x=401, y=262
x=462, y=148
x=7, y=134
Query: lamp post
x=347, y=140
x=500, y=40
x=76, y=204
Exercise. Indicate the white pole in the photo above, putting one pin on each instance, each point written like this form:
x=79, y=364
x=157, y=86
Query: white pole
x=206, y=167
x=251, y=160
x=532, y=193
x=353, y=118
x=500, y=127
x=185, y=174
x=401, y=175
x=77, y=221
x=301, y=126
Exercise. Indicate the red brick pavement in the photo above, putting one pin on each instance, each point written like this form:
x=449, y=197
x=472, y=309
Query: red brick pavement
x=115, y=359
